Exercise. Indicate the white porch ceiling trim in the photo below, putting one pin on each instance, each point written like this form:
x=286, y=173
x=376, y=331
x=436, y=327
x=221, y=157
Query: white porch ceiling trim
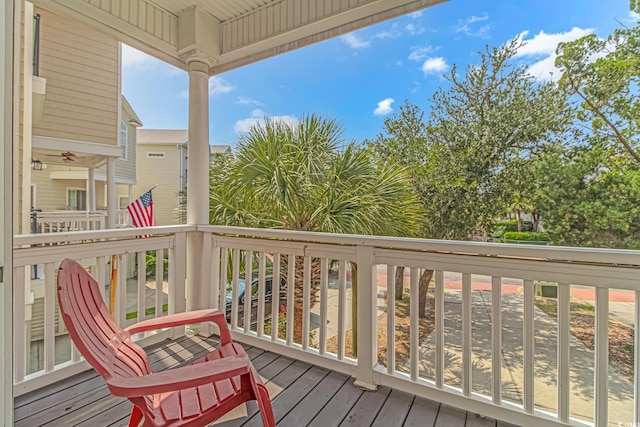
x=229, y=33
x=84, y=147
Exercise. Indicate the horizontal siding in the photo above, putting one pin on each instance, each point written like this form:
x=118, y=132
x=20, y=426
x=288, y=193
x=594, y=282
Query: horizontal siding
x=81, y=68
x=164, y=172
x=127, y=168
x=51, y=194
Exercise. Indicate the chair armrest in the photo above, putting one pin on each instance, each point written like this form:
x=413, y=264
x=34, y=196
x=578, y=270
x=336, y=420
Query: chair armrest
x=180, y=378
x=179, y=319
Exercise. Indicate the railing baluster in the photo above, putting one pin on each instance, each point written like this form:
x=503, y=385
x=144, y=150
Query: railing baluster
x=528, y=343
x=414, y=333
x=216, y=284
x=275, y=298
x=601, y=346
x=496, y=340
x=261, y=293
x=439, y=328
x=101, y=269
x=342, y=306
x=291, y=285
x=248, y=279
x=306, y=302
x=159, y=300
x=121, y=291
x=235, y=282
x=142, y=283
x=466, y=334
x=224, y=261
x=563, y=351
x=322, y=348
x=391, y=320
x=49, y=316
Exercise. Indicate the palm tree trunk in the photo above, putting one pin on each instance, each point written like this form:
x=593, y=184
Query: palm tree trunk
x=399, y=282
x=519, y=219
x=298, y=298
x=425, y=279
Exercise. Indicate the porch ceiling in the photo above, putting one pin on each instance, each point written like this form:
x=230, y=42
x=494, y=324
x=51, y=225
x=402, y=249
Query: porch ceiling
x=229, y=33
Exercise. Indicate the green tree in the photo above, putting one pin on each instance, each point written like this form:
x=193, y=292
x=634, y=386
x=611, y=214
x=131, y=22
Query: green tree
x=464, y=157
x=591, y=197
x=304, y=178
x=604, y=74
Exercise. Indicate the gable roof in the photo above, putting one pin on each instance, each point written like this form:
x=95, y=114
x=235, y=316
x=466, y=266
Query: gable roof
x=163, y=136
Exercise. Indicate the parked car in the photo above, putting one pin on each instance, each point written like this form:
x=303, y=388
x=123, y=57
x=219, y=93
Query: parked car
x=253, y=292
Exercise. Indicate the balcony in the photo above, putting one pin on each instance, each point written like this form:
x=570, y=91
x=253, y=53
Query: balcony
x=64, y=221
x=493, y=347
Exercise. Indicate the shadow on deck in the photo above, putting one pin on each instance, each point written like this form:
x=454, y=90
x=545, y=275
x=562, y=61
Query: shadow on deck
x=302, y=395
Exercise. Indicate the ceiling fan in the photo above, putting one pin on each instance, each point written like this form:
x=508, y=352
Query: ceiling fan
x=67, y=156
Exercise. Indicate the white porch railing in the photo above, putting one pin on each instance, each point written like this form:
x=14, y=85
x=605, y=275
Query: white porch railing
x=442, y=368
x=65, y=221
x=135, y=298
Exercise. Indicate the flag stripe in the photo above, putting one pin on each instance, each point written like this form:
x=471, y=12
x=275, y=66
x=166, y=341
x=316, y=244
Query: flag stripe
x=141, y=211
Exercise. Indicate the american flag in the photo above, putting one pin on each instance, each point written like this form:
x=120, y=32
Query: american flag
x=141, y=212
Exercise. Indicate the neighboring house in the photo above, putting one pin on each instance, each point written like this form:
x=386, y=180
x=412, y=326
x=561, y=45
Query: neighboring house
x=78, y=132
x=58, y=188
x=162, y=161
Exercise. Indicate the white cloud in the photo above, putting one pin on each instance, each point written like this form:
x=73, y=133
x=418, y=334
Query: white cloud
x=472, y=18
x=412, y=30
x=133, y=57
x=542, y=48
x=422, y=52
x=465, y=27
x=632, y=18
x=435, y=66
x=391, y=33
x=384, y=107
x=546, y=44
x=417, y=14
x=355, y=42
x=245, y=100
x=258, y=117
x=218, y=85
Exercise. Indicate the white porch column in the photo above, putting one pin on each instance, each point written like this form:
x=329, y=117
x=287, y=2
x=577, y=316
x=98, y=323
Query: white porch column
x=6, y=209
x=198, y=179
x=91, y=190
x=111, y=193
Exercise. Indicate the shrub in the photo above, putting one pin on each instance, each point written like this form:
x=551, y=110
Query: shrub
x=529, y=236
x=497, y=230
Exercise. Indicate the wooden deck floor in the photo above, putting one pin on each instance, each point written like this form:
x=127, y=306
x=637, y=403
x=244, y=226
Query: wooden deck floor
x=305, y=395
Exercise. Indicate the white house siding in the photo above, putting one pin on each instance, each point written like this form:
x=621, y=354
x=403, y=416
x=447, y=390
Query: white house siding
x=166, y=173
x=81, y=68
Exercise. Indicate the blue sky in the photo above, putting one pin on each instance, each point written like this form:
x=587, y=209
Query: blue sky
x=362, y=77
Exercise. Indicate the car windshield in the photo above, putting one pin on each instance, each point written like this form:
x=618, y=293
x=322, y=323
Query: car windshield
x=230, y=289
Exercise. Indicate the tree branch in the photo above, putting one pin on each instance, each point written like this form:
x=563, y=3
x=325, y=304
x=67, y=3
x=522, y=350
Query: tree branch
x=597, y=111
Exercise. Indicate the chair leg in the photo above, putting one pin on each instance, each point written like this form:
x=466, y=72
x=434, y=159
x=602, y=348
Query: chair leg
x=136, y=417
x=264, y=403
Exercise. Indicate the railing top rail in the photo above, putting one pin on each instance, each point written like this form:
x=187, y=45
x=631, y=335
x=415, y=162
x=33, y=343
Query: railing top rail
x=620, y=257
x=74, y=236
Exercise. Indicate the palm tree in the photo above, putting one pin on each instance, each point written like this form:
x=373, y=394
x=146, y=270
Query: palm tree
x=302, y=177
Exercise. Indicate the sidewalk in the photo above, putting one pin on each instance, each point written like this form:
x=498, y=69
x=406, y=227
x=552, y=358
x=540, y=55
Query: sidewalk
x=545, y=386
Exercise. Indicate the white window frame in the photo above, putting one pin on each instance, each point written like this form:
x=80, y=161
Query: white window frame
x=124, y=139
x=120, y=202
x=69, y=200
x=156, y=155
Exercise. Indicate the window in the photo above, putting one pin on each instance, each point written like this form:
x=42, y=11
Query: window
x=123, y=202
x=155, y=155
x=123, y=140
x=77, y=199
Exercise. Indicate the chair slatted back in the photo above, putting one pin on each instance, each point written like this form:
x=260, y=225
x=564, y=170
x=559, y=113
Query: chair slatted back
x=105, y=345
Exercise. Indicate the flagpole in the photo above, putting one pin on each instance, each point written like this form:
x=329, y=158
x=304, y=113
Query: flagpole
x=152, y=187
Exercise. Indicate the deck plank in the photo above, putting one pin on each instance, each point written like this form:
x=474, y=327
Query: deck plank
x=302, y=394
x=395, y=409
x=338, y=407
x=423, y=413
x=366, y=408
x=308, y=407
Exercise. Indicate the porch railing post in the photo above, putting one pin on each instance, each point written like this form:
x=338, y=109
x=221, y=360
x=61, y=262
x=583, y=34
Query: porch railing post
x=367, y=331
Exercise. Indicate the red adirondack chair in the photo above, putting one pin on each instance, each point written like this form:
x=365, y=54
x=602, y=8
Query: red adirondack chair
x=193, y=395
